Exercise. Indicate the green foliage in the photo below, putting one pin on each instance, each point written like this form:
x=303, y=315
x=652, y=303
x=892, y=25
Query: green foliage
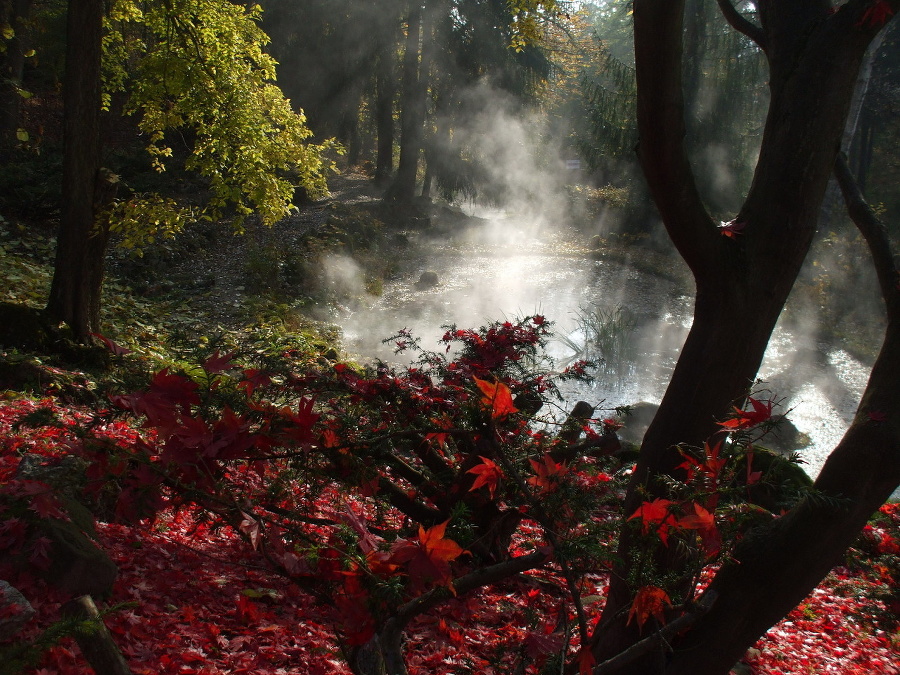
x=527, y=16
x=144, y=219
x=606, y=337
x=197, y=71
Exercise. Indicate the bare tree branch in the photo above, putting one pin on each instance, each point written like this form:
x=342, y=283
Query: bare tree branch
x=662, y=636
x=661, y=127
x=875, y=234
x=471, y=581
x=743, y=25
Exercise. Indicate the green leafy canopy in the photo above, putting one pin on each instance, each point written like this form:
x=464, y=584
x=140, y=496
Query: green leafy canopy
x=198, y=66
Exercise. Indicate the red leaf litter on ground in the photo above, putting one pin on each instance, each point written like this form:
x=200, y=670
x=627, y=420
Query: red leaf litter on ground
x=196, y=602
x=202, y=607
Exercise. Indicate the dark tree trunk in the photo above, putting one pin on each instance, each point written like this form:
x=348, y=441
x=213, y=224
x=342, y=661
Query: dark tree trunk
x=81, y=243
x=742, y=284
x=385, y=91
x=12, y=68
x=412, y=111
x=865, y=143
x=349, y=131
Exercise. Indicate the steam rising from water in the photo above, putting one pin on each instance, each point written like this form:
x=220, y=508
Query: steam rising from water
x=521, y=260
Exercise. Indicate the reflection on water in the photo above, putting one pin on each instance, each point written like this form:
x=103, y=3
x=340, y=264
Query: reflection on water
x=820, y=387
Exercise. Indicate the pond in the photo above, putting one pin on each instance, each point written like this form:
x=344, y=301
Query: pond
x=499, y=271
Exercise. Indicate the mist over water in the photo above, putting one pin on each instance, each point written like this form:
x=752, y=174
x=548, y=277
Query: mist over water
x=522, y=257
x=501, y=271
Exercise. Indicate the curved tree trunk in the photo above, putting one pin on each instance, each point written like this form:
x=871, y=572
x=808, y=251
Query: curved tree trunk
x=81, y=243
x=742, y=283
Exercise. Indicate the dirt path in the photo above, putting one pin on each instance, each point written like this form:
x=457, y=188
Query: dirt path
x=214, y=277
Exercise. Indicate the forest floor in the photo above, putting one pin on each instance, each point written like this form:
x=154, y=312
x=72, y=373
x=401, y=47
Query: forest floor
x=217, y=277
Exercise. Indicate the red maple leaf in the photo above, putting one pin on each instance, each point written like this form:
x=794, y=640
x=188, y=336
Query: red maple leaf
x=352, y=604
x=489, y=474
x=708, y=469
x=548, y=474
x=115, y=348
x=46, y=506
x=175, y=388
x=247, y=610
x=218, y=363
x=253, y=380
x=368, y=542
x=40, y=553
x=877, y=14
x=167, y=392
x=428, y=557
x=656, y=514
x=704, y=523
x=300, y=425
x=497, y=398
x=586, y=661
x=752, y=476
x=732, y=228
x=649, y=601
x=250, y=526
x=744, y=419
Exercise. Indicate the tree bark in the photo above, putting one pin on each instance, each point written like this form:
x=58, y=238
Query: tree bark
x=82, y=238
x=742, y=283
x=384, y=117
x=412, y=111
x=97, y=645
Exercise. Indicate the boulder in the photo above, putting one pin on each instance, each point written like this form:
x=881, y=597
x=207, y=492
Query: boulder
x=15, y=611
x=427, y=280
x=77, y=564
x=785, y=438
x=66, y=475
x=637, y=420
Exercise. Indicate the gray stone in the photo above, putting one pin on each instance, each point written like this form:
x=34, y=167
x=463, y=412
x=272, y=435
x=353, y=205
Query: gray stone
x=15, y=611
x=66, y=476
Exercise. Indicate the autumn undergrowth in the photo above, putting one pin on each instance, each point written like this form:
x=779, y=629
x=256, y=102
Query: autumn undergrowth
x=269, y=505
x=272, y=509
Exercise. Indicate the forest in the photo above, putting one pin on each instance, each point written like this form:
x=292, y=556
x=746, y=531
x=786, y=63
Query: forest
x=449, y=336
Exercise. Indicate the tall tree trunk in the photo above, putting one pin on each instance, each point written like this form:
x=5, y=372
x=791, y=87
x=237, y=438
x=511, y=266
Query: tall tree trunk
x=385, y=90
x=82, y=239
x=12, y=68
x=742, y=284
x=412, y=111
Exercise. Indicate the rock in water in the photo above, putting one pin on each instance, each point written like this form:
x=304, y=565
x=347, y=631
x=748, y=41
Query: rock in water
x=427, y=280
